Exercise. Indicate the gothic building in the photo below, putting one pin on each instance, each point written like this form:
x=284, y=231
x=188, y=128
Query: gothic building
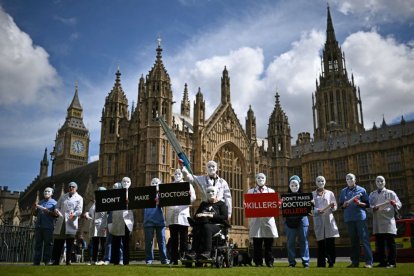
x=133, y=144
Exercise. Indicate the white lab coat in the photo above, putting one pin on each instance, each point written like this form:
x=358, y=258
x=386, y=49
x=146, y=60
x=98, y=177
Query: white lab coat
x=324, y=224
x=204, y=181
x=120, y=218
x=383, y=219
x=65, y=206
x=98, y=224
x=264, y=227
x=179, y=214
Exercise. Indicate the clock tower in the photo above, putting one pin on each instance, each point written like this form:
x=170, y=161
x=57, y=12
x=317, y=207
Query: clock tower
x=72, y=140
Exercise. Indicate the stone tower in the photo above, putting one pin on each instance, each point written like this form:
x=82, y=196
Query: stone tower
x=336, y=107
x=114, y=113
x=72, y=140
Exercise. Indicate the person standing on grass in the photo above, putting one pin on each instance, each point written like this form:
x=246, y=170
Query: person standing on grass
x=384, y=204
x=324, y=223
x=354, y=201
x=44, y=210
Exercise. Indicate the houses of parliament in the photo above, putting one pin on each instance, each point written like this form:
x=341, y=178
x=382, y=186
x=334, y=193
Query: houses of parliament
x=132, y=143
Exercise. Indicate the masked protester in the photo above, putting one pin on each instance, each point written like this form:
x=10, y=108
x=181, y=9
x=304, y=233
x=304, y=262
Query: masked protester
x=44, y=210
x=69, y=209
x=121, y=228
x=208, y=180
x=154, y=221
x=262, y=230
x=384, y=204
x=324, y=223
x=354, y=201
x=297, y=227
x=176, y=220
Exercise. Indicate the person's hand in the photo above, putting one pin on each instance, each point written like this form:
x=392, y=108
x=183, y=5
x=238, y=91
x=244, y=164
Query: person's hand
x=320, y=211
x=356, y=201
x=376, y=208
x=71, y=216
x=346, y=204
x=332, y=205
x=181, y=162
x=393, y=203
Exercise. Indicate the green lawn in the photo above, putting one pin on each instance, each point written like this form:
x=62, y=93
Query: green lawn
x=141, y=270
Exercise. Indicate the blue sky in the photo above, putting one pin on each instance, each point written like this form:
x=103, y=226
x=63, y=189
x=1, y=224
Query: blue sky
x=267, y=45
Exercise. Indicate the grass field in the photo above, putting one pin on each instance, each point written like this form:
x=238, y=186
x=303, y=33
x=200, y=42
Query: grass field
x=142, y=269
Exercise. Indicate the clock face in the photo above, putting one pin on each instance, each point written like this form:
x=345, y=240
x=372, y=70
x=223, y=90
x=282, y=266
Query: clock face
x=59, y=147
x=78, y=146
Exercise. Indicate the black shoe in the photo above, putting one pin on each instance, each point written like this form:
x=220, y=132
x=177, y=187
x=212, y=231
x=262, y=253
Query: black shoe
x=205, y=256
x=269, y=264
x=191, y=256
x=331, y=265
x=257, y=265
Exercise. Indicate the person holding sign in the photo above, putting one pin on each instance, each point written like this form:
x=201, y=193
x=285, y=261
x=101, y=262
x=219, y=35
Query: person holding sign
x=324, y=222
x=205, y=224
x=263, y=229
x=120, y=229
x=211, y=179
x=44, y=210
x=176, y=220
x=68, y=209
x=354, y=201
x=97, y=231
x=154, y=221
x=297, y=226
x=384, y=203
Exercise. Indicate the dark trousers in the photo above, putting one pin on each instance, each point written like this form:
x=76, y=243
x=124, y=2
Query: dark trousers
x=58, y=249
x=386, y=241
x=203, y=237
x=326, y=250
x=43, y=243
x=178, y=237
x=116, y=245
x=95, y=243
x=258, y=250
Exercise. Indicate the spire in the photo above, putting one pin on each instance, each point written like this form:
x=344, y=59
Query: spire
x=44, y=166
x=383, y=124
x=225, y=87
x=279, y=132
x=185, y=103
x=330, y=32
x=74, y=116
x=251, y=124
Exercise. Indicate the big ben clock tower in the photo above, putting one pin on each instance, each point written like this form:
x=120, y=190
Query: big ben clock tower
x=72, y=140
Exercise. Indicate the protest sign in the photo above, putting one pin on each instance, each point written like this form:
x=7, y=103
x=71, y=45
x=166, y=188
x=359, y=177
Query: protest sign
x=174, y=194
x=261, y=205
x=142, y=197
x=296, y=204
x=110, y=200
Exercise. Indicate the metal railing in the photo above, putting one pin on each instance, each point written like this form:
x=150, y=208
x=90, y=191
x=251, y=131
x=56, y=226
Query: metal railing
x=16, y=243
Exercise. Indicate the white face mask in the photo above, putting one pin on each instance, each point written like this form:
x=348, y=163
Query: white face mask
x=47, y=193
x=211, y=169
x=211, y=194
x=178, y=176
x=320, y=182
x=126, y=182
x=380, y=181
x=350, y=180
x=155, y=182
x=294, y=186
x=260, y=180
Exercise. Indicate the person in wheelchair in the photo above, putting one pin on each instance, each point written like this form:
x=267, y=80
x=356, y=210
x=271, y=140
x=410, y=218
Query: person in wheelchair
x=208, y=220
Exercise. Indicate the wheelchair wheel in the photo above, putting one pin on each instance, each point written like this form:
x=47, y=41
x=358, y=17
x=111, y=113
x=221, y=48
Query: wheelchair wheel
x=219, y=261
x=228, y=259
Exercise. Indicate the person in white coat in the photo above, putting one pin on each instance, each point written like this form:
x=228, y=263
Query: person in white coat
x=384, y=204
x=262, y=230
x=68, y=209
x=211, y=179
x=176, y=220
x=120, y=229
x=324, y=223
x=97, y=231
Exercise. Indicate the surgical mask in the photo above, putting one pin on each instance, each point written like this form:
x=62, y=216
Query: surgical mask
x=294, y=186
x=320, y=182
x=260, y=180
x=380, y=181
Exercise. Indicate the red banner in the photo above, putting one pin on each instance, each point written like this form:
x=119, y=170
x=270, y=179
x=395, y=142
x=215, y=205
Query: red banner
x=261, y=205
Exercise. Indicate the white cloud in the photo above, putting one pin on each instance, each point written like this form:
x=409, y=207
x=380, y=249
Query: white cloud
x=26, y=76
x=382, y=68
x=378, y=11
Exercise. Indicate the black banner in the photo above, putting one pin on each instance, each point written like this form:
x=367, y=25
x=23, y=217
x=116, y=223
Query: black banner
x=174, y=194
x=142, y=197
x=110, y=200
x=296, y=204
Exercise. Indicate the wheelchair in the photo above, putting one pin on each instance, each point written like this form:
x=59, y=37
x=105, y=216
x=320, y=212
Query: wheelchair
x=221, y=252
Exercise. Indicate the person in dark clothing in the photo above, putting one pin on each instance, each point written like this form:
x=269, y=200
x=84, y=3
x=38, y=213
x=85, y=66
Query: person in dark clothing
x=205, y=224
